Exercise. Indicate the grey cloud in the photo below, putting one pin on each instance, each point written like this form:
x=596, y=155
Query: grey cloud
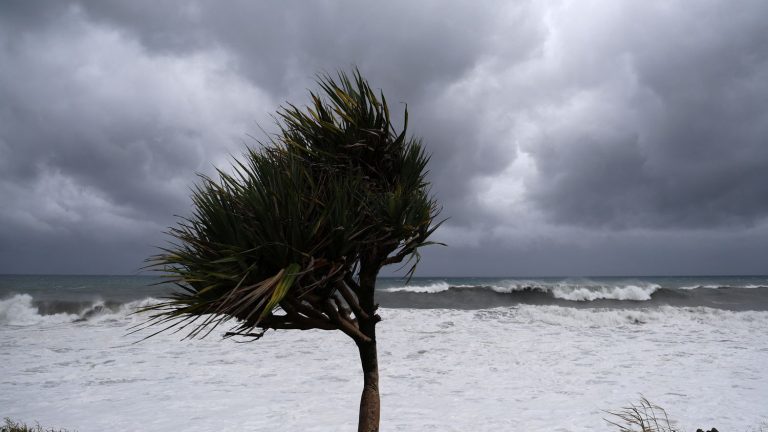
x=413, y=50
x=574, y=252
x=648, y=116
x=102, y=140
x=403, y=46
x=690, y=151
x=21, y=16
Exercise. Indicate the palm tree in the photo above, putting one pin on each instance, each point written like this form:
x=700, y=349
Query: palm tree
x=296, y=236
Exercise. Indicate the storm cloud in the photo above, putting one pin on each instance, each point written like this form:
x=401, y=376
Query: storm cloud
x=568, y=138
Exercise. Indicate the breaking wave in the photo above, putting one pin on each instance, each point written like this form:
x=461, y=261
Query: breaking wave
x=578, y=293
x=23, y=310
x=562, y=290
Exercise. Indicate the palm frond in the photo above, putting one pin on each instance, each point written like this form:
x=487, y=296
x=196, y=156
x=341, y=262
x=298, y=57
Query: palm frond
x=267, y=244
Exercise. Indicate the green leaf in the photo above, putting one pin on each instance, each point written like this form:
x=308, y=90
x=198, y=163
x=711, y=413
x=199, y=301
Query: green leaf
x=288, y=276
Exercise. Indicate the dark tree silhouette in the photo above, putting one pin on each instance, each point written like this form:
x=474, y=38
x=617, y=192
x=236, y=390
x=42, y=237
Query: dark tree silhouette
x=296, y=236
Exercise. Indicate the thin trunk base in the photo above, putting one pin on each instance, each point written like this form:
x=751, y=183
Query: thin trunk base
x=370, y=404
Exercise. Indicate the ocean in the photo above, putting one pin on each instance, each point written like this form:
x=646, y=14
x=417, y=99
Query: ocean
x=456, y=354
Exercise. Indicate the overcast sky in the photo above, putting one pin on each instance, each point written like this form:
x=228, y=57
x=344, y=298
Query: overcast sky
x=567, y=138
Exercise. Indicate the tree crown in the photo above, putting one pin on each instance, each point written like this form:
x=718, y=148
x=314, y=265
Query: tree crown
x=281, y=241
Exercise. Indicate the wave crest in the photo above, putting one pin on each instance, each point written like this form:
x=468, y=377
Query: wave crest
x=572, y=291
x=20, y=310
x=422, y=289
x=626, y=292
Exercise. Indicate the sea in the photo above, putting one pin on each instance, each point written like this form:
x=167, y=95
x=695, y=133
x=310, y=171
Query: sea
x=455, y=354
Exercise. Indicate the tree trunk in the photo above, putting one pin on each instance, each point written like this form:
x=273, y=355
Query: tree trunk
x=370, y=404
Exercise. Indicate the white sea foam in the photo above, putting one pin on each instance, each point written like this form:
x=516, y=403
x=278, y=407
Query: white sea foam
x=431, y=288
x=510, y=368
x=19, y=311
x=573, y=291
x=589, y=293
x=513, y=286
x=584, y=290
x=692, y=287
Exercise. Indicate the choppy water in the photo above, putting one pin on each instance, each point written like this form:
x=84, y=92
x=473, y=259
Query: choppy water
x=462, y=354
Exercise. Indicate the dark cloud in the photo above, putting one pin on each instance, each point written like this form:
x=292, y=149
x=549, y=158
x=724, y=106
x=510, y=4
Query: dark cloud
x=416, y=51
x=689, y=146
x=590, y=253
x=566, y=138
x=405, y=46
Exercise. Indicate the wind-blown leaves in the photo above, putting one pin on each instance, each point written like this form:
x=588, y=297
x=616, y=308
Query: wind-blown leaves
x=286, y=277
x=268, y=244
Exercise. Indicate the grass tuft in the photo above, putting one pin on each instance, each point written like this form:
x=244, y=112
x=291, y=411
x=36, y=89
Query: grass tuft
x=641, y=417
x=13, y=426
